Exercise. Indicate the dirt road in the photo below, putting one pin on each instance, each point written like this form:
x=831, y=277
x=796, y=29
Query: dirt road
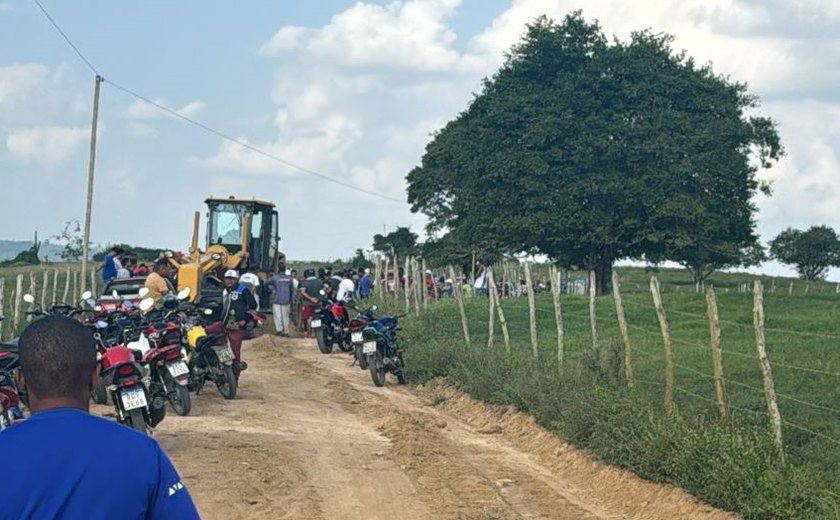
x=310, y=437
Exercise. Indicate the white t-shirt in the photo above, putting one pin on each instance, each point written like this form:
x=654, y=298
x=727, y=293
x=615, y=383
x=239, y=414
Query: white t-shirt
x=345, y=288
x=250, y=279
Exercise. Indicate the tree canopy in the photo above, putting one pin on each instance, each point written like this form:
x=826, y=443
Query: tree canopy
x=588, y=151
x=402, y=242
x=811, y=252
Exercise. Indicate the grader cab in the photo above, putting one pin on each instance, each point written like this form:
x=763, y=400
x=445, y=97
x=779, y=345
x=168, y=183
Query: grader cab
x=241, y=234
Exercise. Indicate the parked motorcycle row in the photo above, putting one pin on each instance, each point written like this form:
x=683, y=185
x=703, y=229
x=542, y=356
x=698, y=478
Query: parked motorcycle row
x=148, y=356
x=370, y=337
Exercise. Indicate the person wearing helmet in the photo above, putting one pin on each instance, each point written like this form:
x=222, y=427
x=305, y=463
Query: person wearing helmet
x=237, y=301
x=310, y=291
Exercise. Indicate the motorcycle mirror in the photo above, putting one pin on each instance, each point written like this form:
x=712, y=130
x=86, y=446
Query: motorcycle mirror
x=87, y=295
x=373, y=308
x=208, y=312
x=184, y=293
x=28, y=298
x=115, y=294
x=101, y=324
x=143, y=292
x=147, y=304
x=321, y=291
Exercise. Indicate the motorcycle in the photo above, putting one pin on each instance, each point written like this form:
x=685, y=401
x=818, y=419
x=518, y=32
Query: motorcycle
x=357, y=326
x=208, y=354
x=10, y=396
x=382, y=350
x=331, y=325
x=160, y=344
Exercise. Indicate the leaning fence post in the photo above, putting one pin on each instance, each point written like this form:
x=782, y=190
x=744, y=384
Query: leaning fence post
x=459, y=297
x=764, y=364
x=67, y=285
x=18, y=300
x=494, y=294
x=717, y=357
x=558, y=314
x=622, y=325
x=666, y=340
x=532, y=309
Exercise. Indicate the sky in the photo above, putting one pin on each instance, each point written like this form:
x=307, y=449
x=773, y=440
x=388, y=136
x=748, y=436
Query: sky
x=350, y=90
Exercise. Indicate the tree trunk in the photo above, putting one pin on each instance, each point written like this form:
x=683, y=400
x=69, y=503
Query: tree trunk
x=603, y=276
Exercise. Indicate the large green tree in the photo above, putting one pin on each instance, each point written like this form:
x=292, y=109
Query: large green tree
x=589, y=151
x=811, y=252
x=402, y=242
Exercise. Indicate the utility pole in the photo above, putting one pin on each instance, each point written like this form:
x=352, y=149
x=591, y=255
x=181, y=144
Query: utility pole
x=92, y=162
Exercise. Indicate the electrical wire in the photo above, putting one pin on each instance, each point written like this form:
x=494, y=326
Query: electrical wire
x=207, y=128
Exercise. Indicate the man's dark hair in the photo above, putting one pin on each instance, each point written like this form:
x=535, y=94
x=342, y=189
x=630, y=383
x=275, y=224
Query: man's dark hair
x=57, y=357
x=163, y=262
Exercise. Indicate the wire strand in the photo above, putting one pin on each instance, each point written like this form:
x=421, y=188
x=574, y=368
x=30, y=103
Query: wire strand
x=66, y=38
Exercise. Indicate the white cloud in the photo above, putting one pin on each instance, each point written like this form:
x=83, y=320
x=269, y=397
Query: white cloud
x=46, y=144
x=18, y=78
x=403, y=35
x=142, y=110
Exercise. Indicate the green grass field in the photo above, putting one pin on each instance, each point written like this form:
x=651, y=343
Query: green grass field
x=730, y=464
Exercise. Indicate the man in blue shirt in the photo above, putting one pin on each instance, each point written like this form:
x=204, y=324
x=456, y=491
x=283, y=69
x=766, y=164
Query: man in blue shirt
x=366, y=285
x=68, y=463
x=109, y=264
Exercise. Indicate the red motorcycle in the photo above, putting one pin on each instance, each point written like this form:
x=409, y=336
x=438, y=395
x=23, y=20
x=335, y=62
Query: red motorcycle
x=331, y=325
x=169, y=375
x=128, y=389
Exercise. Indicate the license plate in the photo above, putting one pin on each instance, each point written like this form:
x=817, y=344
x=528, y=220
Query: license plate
x=133, y=398
x=315, y=324
x=369, y=347
x=177, y=368
x=224, y=353
x=356, y=337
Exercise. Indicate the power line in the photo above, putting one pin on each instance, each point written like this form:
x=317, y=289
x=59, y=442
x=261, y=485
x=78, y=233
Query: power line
x=66, y=38
x=207, y=128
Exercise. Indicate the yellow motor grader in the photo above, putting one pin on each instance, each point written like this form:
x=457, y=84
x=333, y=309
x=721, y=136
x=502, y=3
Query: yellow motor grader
x=241, y=234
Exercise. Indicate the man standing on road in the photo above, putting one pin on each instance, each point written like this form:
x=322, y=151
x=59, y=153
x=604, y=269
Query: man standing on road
x=282, y=286
x=365, y=285
x=238, y=300
x=59, y=468
x=346, y=287
x=310, y=290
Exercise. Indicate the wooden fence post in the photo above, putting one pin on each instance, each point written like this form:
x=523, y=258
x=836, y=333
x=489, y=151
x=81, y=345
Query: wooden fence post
x=494, y=295
x=558, y=314
x=384, y=280
x=55, y=286
x=622, y=325
x=76, y=275
x=593, y=325
x=491, y=322
x=67, y=285
x=666, y=340
x=92, y=281
x=407, y=287
x=43, y=299
x=423, y=288
x=418, y=285
x=790, y=289
x=33, y=290
x=460, y=299
x=764, y=364
x=18, y=300
x=2, y=300
x=532, y=309
x=717, y=357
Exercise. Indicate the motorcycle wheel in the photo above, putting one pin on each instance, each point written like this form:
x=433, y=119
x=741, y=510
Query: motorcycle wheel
x=377, y=369
x=400, y=371
x=100, y=393
x=226, y=382
x=345, y=345
x=179, y=398
x=322, y=342
x=361, y=358
x=137, y=420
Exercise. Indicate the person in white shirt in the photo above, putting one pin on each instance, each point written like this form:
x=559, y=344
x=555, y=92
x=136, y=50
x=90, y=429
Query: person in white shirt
x=252, y=282
x=346, y=288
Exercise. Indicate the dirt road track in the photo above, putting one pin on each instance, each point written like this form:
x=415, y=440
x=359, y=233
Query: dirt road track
x=310, y=437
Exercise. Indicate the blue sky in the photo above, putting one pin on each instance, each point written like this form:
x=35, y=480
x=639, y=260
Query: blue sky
x=349, y=89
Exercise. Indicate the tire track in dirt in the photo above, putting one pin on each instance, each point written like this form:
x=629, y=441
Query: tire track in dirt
x=310, y=437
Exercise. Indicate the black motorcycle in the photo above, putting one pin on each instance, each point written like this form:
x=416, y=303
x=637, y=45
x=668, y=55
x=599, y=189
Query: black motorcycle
x=383, y=351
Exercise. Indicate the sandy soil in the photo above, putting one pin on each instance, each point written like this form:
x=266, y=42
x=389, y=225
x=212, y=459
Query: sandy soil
x=310, y=437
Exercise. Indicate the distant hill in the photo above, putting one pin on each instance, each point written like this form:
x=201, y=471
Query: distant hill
x=10, y=248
